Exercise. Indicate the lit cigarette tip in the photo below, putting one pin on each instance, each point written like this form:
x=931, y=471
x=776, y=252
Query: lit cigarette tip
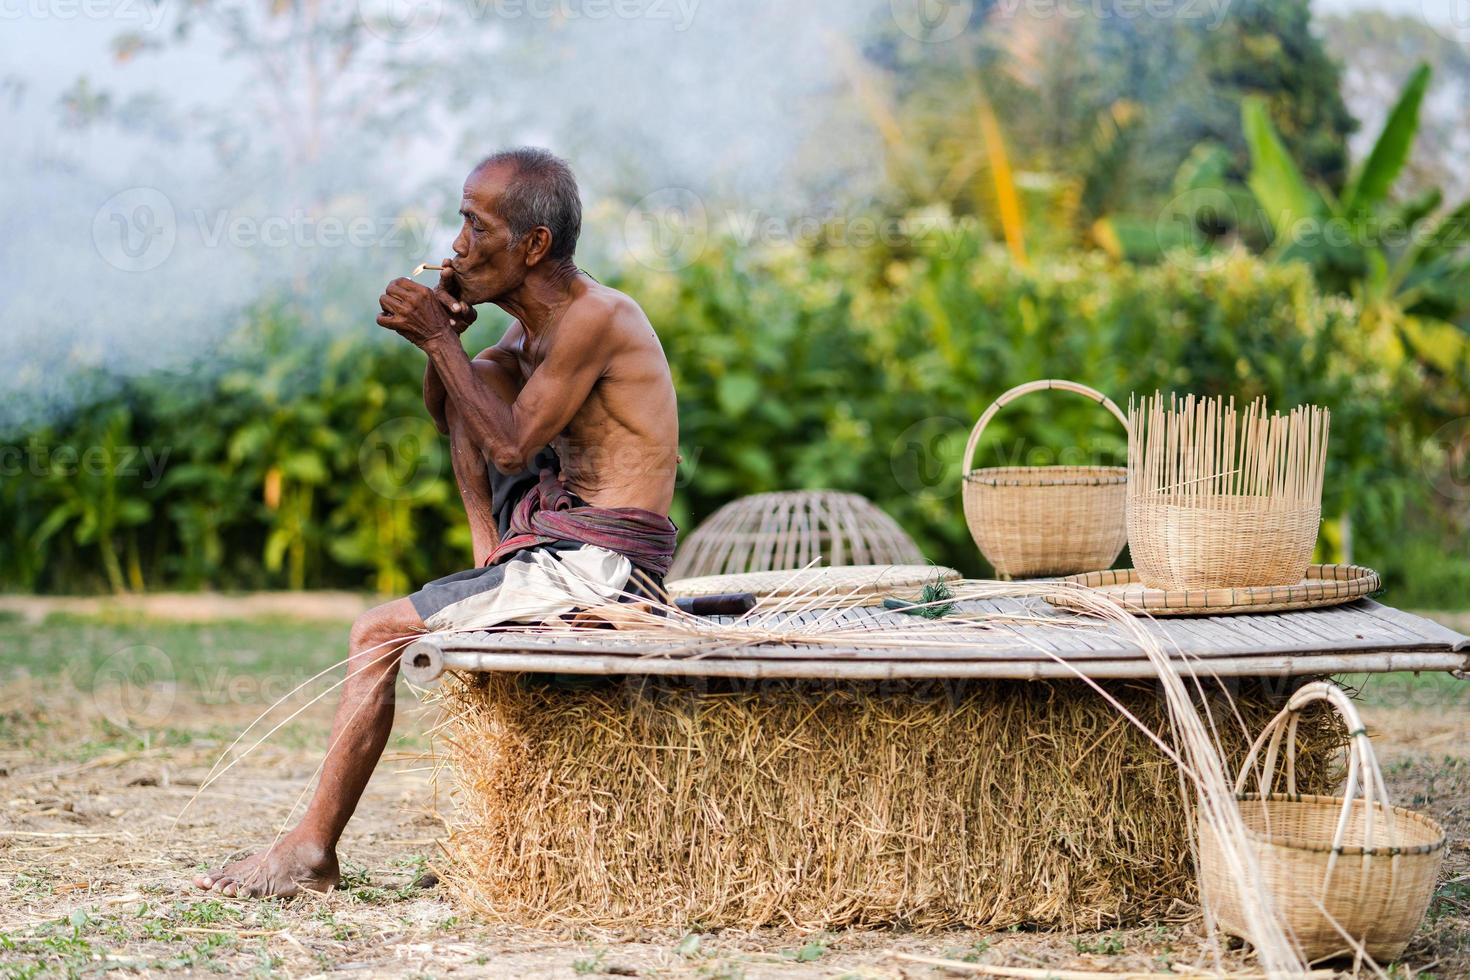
x=424, y=266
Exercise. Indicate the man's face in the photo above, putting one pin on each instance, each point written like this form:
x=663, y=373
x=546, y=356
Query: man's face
x=486, y=263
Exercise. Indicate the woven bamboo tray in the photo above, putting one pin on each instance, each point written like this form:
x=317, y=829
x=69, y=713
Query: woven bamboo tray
x=1323, y=585
x=848, y=585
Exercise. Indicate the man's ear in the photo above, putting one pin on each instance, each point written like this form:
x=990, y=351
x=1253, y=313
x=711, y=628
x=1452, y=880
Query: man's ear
x=538, y=243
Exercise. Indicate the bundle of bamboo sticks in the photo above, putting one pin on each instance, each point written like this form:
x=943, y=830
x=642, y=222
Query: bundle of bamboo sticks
x=1221, y=498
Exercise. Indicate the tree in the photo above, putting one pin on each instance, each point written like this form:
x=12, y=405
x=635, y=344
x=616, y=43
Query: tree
x=1266, y=49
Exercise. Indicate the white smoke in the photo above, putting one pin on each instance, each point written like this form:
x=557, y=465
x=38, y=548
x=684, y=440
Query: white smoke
x=200, y=184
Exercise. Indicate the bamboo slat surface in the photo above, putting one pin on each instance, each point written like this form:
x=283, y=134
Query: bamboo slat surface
x=1363, y=636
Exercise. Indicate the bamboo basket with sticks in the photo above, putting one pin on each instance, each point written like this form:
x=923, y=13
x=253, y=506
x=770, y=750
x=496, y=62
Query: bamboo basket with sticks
x=1221, y=499
x=1045, y=520
x=1345, y=875
x=788, y=529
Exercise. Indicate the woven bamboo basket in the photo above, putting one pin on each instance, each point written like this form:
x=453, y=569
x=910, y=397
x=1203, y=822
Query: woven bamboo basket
x=1342, y=873
x=1223, y=542
x=790, y=528
x=1030, y=521
x=1220, y=500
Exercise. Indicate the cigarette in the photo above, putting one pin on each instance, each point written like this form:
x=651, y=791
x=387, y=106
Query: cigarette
x=426, y=267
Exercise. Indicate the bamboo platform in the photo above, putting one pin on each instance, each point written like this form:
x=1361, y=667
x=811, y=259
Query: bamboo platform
x=1360, y=637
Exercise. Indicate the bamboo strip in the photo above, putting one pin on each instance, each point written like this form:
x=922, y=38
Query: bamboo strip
x=424, y=664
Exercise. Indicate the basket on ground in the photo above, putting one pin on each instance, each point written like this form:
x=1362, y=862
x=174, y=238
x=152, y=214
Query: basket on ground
x=1221, y=501
x=1045, y=520
x=1341, y=873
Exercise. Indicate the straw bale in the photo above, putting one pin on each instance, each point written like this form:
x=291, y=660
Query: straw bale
x=718, y=803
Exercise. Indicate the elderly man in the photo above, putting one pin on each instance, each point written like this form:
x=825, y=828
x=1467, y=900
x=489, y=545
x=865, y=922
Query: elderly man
x=564, y=443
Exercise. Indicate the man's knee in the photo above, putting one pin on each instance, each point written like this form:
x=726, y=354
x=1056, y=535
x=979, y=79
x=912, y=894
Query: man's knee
x=378, y=635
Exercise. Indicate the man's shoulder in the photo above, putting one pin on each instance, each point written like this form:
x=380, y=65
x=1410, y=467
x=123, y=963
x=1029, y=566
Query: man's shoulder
x=602, y=308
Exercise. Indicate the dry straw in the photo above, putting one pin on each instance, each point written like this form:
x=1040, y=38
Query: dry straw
x=650, y=802
x=1044, y=520
x=854, y=803
x=1222, y=499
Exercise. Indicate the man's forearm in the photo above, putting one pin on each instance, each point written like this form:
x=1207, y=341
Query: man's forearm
x=488, y=420
x=435, y=397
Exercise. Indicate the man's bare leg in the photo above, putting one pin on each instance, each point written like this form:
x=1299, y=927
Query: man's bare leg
x=306, y=856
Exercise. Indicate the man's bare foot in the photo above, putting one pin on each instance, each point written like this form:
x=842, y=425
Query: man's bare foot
x=284, y=869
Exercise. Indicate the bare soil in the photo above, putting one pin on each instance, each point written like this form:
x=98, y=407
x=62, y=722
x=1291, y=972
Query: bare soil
x=97, y=848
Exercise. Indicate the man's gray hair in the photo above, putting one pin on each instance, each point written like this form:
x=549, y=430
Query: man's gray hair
x=541, y=192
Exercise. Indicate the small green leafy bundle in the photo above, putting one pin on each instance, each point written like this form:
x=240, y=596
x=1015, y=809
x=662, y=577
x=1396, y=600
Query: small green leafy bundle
x=931, y=604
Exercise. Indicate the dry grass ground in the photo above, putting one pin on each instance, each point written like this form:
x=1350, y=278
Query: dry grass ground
x=109, y=725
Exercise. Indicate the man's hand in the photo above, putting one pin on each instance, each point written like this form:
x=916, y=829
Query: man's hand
x=461, y=313
x=416, y=312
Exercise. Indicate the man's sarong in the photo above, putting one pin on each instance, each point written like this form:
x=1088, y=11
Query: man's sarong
x=558, y=554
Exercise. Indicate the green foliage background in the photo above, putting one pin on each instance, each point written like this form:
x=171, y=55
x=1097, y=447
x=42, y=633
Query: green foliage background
x=300, y=457
x=309, y=462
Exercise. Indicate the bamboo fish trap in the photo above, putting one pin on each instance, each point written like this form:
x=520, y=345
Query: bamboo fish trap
x=1221, y=499
x=789, y=529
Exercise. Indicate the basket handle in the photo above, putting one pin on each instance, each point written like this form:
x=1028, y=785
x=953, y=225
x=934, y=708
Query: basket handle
x=1045, y=384
x=1362, y=763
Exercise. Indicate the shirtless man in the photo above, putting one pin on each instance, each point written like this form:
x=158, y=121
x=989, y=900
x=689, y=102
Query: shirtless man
x=580, y=371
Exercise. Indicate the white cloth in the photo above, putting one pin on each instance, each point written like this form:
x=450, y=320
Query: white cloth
x=540, y=589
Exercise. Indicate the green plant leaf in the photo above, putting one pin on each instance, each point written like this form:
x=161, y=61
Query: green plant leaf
x=1274, y=178
x=737, y=392
x=1371, y=183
